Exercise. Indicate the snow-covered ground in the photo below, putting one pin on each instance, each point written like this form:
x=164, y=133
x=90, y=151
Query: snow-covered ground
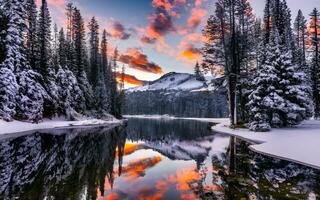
x=18, y=126
x=300, y=144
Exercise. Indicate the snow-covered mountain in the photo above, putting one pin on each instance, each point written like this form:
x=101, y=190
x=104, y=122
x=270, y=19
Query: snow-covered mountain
x=177, y=82
x=179, y=94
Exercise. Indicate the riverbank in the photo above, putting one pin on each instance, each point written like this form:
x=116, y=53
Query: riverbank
x=19, y=126
x=299, y=144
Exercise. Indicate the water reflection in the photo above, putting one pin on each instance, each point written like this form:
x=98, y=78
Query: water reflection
x=70, y=164
x=149, y=159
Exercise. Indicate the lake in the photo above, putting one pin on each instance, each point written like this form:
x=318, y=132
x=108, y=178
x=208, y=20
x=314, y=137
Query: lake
x=147, y=159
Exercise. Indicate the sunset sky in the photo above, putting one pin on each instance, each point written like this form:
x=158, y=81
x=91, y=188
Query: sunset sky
x=155, y=36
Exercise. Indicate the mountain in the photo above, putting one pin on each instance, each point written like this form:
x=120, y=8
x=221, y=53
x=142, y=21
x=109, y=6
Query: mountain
x=179, y=94
x=171, y=81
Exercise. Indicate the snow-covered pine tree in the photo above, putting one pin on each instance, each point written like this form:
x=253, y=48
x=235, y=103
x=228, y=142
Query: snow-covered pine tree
x=314, y=37
x=94, y=51
x=69, y=93
x=80, y=56
x=70, y=39
x=294, y=89
x=55, y=47
x=29, y=94
x=265, y=100
x=300, y=34
x=101, y=94
x=3, y=33
x=31, y=36
x=45, y=67
x=8, y=83
x=289, y=103
x=230, y=33
x=62, y=53
x=44, y=39
x=105, y=70
x=113, y=85
x=198, y=73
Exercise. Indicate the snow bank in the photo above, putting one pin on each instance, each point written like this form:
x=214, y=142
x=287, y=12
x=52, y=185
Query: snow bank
x=18, y=126
x=300, y=144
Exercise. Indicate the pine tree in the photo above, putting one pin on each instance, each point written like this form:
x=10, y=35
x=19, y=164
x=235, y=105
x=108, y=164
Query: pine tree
x=27, y=102
x=113, y=85
x=315, y=60
x=265, y=100
x=44, y=38
x=94, y=51
x=198, y=73
x=70, y=95
x=31, y=37
x=4, y=21
x=105, y=70
x=230, y=36
x=55, y=47
x=62, y=54
x=300, y=34
x=70, y=37
x=10, y=21
x=45, y=67
x=80, y=58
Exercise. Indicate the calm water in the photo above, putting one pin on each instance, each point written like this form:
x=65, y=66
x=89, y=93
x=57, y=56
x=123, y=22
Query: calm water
x=148, y=159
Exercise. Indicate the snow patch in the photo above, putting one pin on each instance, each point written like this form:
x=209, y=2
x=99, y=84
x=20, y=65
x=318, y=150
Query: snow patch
x=299, y=144
x=19, y=126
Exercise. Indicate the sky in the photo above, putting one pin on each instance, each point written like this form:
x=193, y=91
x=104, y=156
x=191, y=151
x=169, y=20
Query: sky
x=155, y=36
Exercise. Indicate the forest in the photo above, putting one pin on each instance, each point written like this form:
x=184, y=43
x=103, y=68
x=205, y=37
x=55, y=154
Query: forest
x=271, y=65
x=46, y=71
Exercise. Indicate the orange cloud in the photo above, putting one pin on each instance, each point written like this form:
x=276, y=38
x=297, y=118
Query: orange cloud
x=118, y=31
x=188, y=52
x=132, y=80
x=137, y=60
x=196, y=17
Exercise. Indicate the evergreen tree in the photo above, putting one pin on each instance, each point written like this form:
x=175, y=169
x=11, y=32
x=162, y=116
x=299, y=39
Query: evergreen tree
x=80, y=58
x=287, y=101
x=31, y=37
x=265, y=99
x=230, y=35
x=94, y=51
x=45, y=67
x=198, y=73
x=70, y=37
x=69, y=94
x=10, y=21
x=55, y=47
x=44, y=38
x=62, y=54
x=315, y=60
x=300, y=33
x=4, y=21
x=105, y=71
x=113, y=85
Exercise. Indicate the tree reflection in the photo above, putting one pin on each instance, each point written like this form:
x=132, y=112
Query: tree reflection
x=247, y=175
x=69, y=164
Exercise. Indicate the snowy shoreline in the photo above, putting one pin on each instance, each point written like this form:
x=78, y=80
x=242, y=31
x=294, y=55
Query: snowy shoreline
x=300, y=144
x=19, y=127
